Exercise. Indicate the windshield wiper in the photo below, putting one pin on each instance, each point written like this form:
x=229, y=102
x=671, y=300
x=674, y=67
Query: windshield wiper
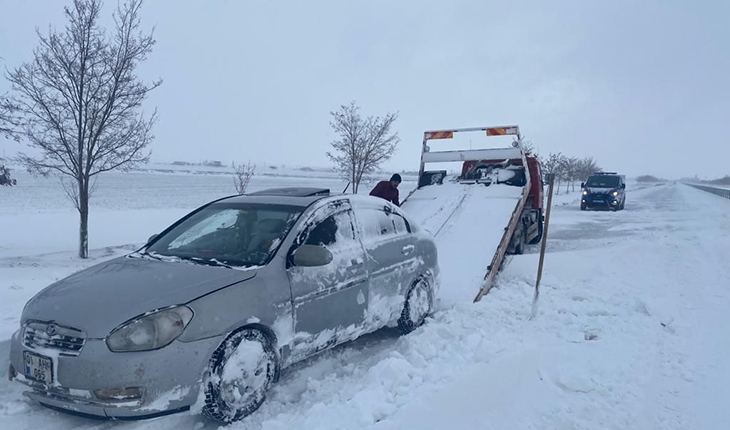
x=147, y=254
x=197, y=260
x=207, y=262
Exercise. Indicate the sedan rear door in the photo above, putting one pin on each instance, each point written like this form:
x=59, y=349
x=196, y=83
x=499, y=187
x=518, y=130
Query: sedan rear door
x=391, y=259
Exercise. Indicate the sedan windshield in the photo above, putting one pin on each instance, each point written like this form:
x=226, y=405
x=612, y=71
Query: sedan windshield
x=602, y=182
x=228, y=234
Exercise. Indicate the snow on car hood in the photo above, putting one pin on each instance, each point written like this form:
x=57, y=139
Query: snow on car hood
x=98, y=299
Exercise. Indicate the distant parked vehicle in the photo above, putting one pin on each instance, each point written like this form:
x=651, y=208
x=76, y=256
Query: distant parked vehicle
x=213, y=308
x=604, y=190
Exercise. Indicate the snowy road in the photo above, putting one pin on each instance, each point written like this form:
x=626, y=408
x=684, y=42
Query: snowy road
x=632, y=333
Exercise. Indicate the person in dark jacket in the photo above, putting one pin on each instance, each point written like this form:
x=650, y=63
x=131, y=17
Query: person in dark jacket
x=388, y=190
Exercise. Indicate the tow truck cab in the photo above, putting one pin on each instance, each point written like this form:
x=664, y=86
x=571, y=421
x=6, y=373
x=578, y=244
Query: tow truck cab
x=532, y=213
x=536, y=195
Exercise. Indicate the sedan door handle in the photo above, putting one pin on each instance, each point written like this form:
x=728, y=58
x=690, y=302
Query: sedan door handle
x=407, y=249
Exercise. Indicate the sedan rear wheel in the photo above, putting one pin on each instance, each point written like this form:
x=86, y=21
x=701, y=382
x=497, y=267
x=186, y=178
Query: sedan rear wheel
x=418, y=305
x=240, y=373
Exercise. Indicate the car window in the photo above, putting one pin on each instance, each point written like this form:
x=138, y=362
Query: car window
x=333, y=231
x=401, y=225
x=602, y=182
x=219, y=220
x=377, y=224
x=234, y=234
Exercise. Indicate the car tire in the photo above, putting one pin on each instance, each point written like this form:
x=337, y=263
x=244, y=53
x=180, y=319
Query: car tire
x=418, y=306
x=582, y=207
x=519, y=247
x=248, y=359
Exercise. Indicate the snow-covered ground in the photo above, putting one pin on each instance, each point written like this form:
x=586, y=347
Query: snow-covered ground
x=631, y=330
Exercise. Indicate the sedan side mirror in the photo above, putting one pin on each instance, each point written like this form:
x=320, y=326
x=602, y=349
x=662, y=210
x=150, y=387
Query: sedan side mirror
x=582, y=184
x=153, y=237
x=312, y=256
x=623, y=186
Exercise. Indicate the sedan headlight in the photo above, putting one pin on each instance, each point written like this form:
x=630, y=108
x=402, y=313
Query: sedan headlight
x=615, y=193
x=151, y=331
x=585, y=193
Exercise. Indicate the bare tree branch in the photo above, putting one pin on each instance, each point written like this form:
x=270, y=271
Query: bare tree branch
x=529, y=147
x=8, y=122
x=72, y=191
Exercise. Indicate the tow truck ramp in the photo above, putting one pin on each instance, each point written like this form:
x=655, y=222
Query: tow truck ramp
x=474, y=219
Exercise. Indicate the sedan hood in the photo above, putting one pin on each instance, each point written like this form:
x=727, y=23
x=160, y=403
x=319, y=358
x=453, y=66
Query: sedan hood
x=98, y=299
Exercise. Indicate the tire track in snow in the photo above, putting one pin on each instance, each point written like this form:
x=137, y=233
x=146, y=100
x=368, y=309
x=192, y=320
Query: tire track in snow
x=456, y=209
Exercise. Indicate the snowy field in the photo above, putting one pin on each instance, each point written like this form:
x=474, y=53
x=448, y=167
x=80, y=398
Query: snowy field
x=632, y=330
x=127, y=208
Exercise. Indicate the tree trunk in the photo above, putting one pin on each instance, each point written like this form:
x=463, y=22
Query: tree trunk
x=83, y=219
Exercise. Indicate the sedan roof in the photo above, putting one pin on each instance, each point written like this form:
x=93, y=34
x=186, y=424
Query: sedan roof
x=297, y=196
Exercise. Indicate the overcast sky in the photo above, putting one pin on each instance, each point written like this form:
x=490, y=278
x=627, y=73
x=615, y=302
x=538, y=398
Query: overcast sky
x=642, y=86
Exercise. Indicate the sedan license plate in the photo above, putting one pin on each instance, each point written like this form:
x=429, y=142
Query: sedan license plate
x=38, y=367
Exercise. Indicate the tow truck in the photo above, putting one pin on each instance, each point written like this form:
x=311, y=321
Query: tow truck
x=506, y=207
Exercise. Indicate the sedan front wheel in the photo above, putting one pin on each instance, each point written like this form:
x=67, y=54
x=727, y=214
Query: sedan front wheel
x=240, y=373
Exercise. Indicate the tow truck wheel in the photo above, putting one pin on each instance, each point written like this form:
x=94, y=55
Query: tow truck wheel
x=538, y=238
x=520, y=249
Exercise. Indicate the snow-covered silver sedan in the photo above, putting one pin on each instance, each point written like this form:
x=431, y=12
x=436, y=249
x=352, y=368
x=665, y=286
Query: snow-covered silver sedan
x=209, y=311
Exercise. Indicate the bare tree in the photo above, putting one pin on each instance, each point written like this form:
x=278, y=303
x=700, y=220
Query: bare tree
x=5, y=178
x=363, y=144
x=243, y=174
x=568, y=169
x=80, y=100
x=586, y=167
x=570, y=172
x=564, y=171
x=648, y=179
x=553, y=165
x=529, y=147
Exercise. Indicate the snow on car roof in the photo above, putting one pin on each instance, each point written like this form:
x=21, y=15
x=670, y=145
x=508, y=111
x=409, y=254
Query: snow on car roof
x=280, y=198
